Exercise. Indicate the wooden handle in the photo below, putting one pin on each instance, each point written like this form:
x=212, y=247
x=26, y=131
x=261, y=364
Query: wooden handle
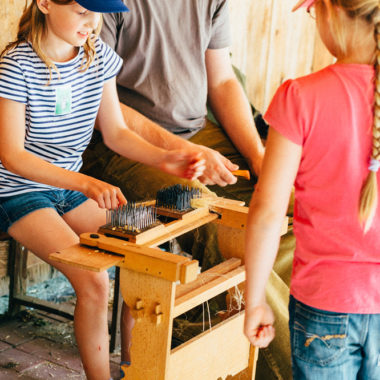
x=242, y=173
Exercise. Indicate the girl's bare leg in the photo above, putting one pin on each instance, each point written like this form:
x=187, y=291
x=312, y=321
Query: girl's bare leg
x=44, y=232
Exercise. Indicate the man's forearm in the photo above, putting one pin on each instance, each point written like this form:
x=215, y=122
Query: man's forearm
x=231, y=108
x=151, y=131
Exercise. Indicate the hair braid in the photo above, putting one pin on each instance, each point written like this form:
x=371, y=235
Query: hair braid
x=368, y=197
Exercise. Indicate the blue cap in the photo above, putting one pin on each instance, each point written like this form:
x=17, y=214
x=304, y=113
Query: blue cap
x=103, y=6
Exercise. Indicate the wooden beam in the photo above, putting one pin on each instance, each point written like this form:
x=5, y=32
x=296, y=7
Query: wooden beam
x=180, y=227
x=207, y=276
x=86, y=258
x=208, y=290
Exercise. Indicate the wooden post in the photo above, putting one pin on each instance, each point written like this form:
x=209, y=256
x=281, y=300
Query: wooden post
x=18, y=256
x=151, y=301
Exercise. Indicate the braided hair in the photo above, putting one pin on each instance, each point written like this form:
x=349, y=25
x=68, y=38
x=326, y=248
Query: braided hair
x=369, y=193
x=369, y=11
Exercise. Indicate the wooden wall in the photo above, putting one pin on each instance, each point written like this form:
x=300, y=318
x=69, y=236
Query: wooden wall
x=269, y=42
x=10, y=12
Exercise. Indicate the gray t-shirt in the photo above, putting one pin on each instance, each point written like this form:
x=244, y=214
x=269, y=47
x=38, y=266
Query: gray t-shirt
x=163, y=45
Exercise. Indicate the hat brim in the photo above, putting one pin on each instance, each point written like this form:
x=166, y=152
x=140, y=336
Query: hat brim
x=303, y=3
x=99, y=6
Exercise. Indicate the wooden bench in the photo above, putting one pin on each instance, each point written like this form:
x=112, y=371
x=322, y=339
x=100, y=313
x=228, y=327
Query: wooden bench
x=159, y=286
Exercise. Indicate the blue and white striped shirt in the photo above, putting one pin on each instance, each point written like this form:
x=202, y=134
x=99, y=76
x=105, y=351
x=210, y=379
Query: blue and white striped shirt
x=59, y=116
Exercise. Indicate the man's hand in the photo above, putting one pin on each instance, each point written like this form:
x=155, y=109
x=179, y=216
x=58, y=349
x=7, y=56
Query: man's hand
x=258, y=325
x=218, y=168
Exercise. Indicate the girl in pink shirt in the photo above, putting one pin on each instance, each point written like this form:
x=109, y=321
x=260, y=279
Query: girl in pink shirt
x=324, y=139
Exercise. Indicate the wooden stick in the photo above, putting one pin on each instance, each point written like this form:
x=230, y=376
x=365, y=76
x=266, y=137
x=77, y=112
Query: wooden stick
x=242, y=173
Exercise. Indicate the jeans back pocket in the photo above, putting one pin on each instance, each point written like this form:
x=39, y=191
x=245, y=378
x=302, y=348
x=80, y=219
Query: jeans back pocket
x=319, y=337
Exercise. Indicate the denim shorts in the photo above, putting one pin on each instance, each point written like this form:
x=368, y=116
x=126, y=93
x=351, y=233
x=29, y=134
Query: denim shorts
x=14, y=208
x=333, y=346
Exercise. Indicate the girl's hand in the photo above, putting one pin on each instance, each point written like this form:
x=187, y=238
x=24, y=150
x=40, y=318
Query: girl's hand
x=106, y=195
x=185, y=164
x=258, y=325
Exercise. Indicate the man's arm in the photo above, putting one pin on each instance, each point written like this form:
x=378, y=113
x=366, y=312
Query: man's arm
x=231, y=107
x=218, y=168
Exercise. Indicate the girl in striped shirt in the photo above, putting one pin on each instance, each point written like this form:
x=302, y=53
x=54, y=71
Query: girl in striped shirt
x=55, y=80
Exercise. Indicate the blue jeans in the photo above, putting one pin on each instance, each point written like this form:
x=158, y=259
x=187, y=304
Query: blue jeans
x=333, y=346
x=14, y=208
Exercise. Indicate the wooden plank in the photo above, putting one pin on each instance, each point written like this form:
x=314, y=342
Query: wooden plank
x=231, y=216
x=251, y=43
x=236, y=217
x=86, y=258
x=180, y=227
x=208, y=290
x=125, y=248
x=189, y=271
x=150, y=345
x=208, y=276
x=145, y=259
x=200, y=358
x=215, y=201
x=155, y=232
x=135, y=257
x=4, y=248
x=64, y=310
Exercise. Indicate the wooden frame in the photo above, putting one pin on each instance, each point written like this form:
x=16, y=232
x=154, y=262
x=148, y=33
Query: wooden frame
x=158, y=286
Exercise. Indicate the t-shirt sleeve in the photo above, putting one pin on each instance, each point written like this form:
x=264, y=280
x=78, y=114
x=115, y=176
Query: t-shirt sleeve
x=111, y=61
x=220, y=34
x=284, y=113
x=110, y=29
x=12, y=81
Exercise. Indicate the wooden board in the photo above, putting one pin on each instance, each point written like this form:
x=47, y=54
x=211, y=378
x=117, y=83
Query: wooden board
x=150, y=347
x=180, y=227
x=86, y=258
x=208, y=290
x=139, y=258
x=165, y=232
x=200, y=358
x=207, y=276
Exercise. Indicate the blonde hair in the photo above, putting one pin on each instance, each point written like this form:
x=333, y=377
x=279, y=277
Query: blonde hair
x=368, y=11
x=32, y=27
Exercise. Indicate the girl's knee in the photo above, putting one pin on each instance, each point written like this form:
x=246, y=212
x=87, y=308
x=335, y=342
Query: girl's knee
x=93, y=287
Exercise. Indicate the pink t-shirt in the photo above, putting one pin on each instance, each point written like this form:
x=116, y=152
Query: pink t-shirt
x=336, y=266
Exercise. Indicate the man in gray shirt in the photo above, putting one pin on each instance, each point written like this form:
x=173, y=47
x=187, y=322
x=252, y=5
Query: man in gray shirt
x=176, y=59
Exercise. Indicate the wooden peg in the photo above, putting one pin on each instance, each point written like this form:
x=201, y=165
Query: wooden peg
x=138, y=311
x=157, y=316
